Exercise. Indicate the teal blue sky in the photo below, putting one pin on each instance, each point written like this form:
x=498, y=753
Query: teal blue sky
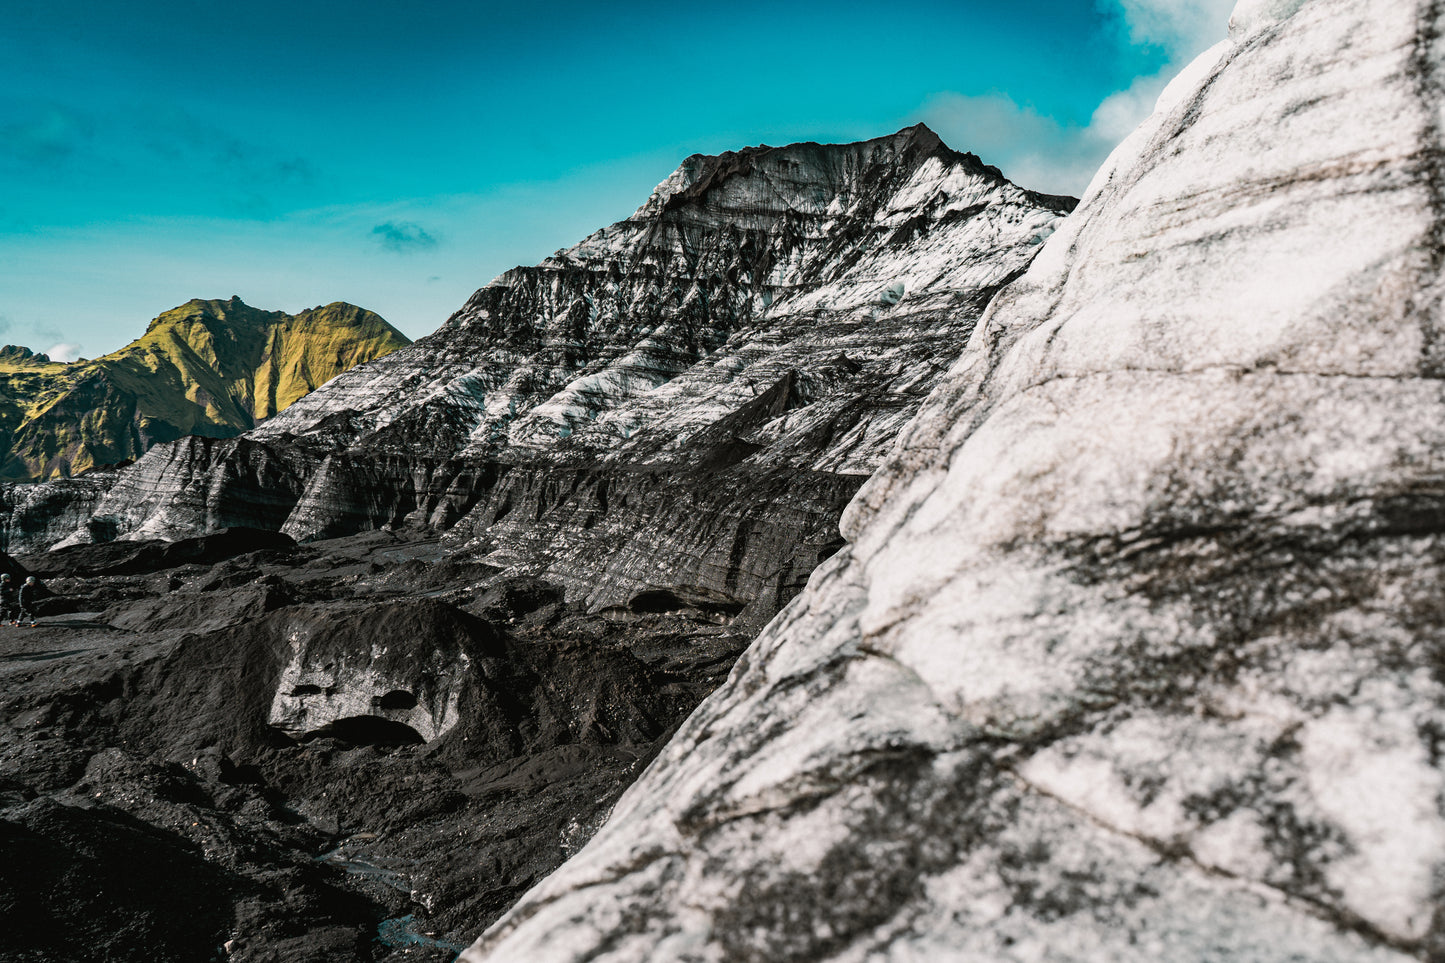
x=401, y=155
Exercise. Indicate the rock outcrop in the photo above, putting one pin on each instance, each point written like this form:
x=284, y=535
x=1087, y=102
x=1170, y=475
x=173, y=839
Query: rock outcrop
x=211, y=368
x=673, y=412
x=1135, y=652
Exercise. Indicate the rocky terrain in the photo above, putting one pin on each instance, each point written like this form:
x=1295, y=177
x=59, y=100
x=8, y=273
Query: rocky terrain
x=1130, y=648
x=209, y=368
x=239, y=748
x=363, y=675
x=1135, y=651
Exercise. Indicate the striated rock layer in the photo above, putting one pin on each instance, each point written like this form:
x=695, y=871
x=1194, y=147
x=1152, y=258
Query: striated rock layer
x=671, y=413
x=212, y=368
x=1136, y=650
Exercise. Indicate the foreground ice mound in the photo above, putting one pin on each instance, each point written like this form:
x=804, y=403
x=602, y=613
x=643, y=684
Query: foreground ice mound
x=1136, y=652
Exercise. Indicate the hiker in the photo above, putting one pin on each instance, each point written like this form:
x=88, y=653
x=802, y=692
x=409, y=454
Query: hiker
x=7, y=599
x=25, y=602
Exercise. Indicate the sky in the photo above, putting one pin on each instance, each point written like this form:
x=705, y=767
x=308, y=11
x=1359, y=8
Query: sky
x=399, y=155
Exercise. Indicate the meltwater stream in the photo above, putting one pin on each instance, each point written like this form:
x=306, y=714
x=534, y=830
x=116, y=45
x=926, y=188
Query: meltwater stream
x=397, y=932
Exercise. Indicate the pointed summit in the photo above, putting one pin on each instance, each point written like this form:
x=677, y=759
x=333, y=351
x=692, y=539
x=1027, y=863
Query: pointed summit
x=920, y=135
x=769, y=174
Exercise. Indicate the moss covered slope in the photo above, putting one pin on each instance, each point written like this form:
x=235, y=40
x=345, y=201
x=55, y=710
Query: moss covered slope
x=205, y=368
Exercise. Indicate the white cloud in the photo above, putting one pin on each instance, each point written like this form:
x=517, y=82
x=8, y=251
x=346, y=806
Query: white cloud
x=1119, y=113
x=1183, y=28
x=1041, y=153
x=63, y=351
x=1031, y=149
x=1035, y=151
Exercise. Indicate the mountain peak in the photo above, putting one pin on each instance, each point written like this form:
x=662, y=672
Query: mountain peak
x=211, y=367
x=921, y=135
x=699, y=175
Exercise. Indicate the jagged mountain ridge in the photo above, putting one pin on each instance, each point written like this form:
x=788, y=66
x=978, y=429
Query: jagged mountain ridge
x=682, y=402
x=723, y=247
x=212, y=368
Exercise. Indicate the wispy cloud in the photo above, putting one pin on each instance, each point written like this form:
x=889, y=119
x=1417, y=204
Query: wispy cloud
x=1036, y=151
x=45, y=134
x=1180, y=27
x=403, y=236
x=182, y=137
x=1033, y=150
x=252, y=172
x=1041, y=153
x=215, y=168
x=61, y=349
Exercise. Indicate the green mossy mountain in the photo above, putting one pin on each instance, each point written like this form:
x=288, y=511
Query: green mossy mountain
x=211, y=368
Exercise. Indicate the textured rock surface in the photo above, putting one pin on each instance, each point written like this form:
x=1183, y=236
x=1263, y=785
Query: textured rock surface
x=665, y=421
x=211, y=368
x=36, y=517
x=674, y=410
x=359, y=749
x=1136, y=651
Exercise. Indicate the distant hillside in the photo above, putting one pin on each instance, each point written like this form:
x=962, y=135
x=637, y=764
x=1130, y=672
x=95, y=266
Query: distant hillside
x=211, y=368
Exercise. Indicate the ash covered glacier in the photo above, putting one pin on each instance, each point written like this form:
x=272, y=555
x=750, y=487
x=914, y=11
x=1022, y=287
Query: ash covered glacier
x=1136, y=649
x=671, y=413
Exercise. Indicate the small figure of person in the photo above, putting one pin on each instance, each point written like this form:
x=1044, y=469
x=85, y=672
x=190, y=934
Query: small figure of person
x=25, y=602
x=7, y=599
